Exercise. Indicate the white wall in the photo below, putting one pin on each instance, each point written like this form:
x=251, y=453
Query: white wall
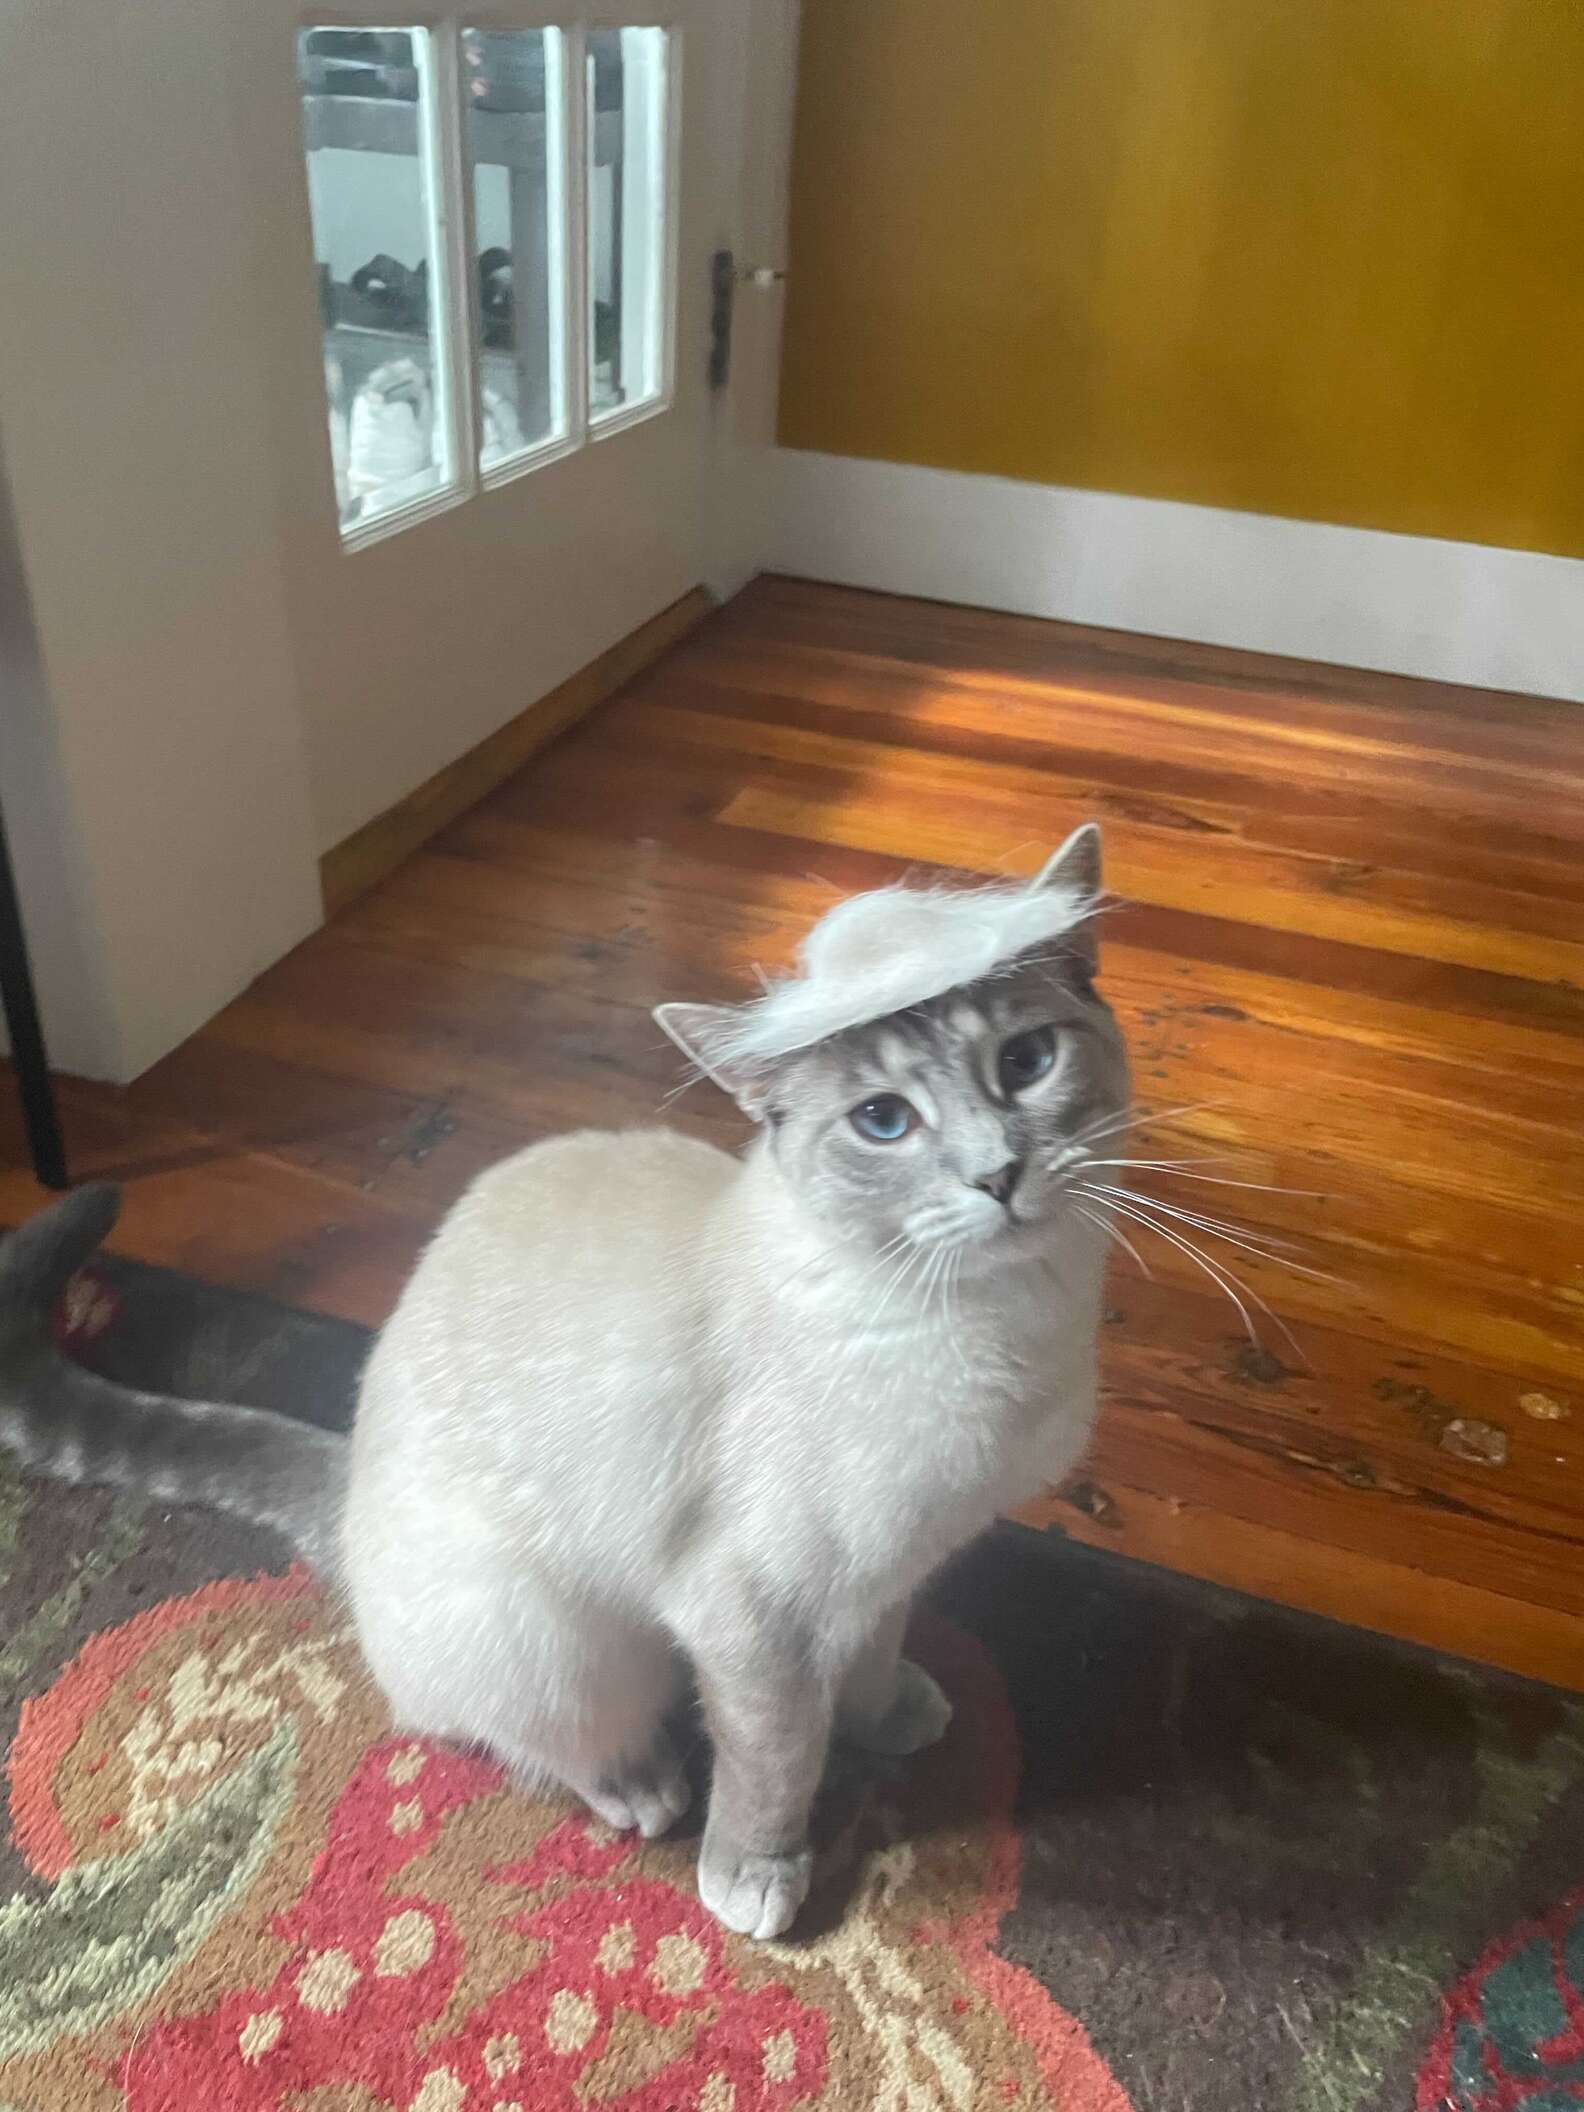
x=46, y=845
x=160, y=805
x=1411, y=605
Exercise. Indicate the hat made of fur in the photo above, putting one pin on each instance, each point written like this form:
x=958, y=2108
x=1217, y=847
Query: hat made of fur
x=880, y=953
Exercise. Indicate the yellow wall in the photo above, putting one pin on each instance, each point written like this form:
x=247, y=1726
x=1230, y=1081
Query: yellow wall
x=1321, y=258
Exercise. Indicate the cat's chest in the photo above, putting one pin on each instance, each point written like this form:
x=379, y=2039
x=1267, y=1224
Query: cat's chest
x=867, y=1452
x=937, y=1412
x=963, y=1348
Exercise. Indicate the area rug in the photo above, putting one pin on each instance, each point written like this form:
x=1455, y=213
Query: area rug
x=1180, y=1852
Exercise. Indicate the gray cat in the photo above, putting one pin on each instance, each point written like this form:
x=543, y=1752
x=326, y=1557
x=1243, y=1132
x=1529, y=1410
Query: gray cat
x=645, y=1409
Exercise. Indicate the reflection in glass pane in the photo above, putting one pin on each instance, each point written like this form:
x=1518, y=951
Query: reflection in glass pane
x=511, y=84
x=627, y=161
x=364, y=115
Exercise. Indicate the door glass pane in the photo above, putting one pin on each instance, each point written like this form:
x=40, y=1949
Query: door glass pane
x=366, y=116
x=513, y=98
x=627, y=217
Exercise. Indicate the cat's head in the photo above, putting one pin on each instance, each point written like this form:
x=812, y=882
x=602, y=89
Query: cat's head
x=939, y=1062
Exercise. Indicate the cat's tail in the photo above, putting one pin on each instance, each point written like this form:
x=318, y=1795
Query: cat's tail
x=72, y=1424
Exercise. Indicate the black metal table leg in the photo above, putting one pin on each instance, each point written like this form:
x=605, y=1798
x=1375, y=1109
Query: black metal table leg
x=28, y=1059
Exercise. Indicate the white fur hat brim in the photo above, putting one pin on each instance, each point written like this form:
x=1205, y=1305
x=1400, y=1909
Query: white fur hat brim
x=884, y=952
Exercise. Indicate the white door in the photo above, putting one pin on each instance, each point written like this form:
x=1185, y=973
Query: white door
x=234, y=683
x=486, y=240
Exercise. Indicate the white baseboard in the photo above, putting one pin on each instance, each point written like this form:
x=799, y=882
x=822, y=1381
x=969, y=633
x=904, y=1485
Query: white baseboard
x=1407, y=604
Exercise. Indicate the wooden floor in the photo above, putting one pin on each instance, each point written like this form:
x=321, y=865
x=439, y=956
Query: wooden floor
x=1354, y=953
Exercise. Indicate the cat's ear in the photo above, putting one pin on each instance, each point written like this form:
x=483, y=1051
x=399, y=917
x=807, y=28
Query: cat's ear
x=1076, y=868
x=1076, y=865
x=704, y=1033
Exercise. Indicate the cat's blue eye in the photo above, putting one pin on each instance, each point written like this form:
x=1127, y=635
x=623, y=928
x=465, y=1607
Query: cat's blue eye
x=886, y=1119
x=1026, y=1057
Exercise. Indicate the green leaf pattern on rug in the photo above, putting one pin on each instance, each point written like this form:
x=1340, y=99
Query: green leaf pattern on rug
x=112, y=1931
x=13, y=1502
x=122, y=1537
x=1403, y=1976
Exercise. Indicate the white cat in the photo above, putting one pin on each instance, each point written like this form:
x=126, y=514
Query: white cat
x=648, y=1414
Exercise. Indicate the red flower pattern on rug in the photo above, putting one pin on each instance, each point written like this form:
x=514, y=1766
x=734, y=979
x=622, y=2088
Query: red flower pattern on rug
x=272, y=1902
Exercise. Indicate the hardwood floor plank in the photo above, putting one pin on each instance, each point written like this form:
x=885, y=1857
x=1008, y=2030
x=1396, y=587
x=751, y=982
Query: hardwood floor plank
x=1302, y=898
x=943, y=635
x=1349, y=958
x=1306, y=1570
x=1328, y=813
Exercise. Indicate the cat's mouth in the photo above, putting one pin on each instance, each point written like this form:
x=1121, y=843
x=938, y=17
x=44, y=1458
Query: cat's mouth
x=986, y=1236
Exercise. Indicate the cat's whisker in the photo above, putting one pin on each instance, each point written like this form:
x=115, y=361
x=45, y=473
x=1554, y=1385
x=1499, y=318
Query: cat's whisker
x=882, y=1255
x=908, y=1267
x=1202, y=1219
x=1100, y=1128
x=1214, y=1180
x=1143, y=1216
x=905, y=1276
x=1130, y=1117
x=803, y=1268
x=937, y=1263
x=959, y=1304
x=912, y=1259
x=1118, y=1238
x=940, y=1289
x=957, y=1267
x=1138, y=1118
x=1004, y=862
x=1220, y=1158
x=669, y=1099
x=893, y=1284
x=1234, y=1235
x=1217, y=1272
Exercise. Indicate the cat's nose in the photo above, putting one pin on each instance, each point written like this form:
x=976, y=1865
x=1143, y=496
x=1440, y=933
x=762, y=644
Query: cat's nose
x=1001, y=1184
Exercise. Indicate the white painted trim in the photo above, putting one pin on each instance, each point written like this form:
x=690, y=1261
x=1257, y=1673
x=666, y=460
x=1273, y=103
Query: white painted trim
x=361, y=535
x=1411, y=605
x=661, y=180
x=563, y=234
x=527, y=459
x=448, y=191
x=626, y=415
x=578, y=314
x=453, y=279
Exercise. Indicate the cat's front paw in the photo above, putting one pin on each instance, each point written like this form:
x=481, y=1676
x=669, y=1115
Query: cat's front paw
x=917, y=1717
x=646, y=1796
x=755, y=1895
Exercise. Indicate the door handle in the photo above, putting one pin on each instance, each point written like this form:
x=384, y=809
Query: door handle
x=725, y=278
x=723, y=288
